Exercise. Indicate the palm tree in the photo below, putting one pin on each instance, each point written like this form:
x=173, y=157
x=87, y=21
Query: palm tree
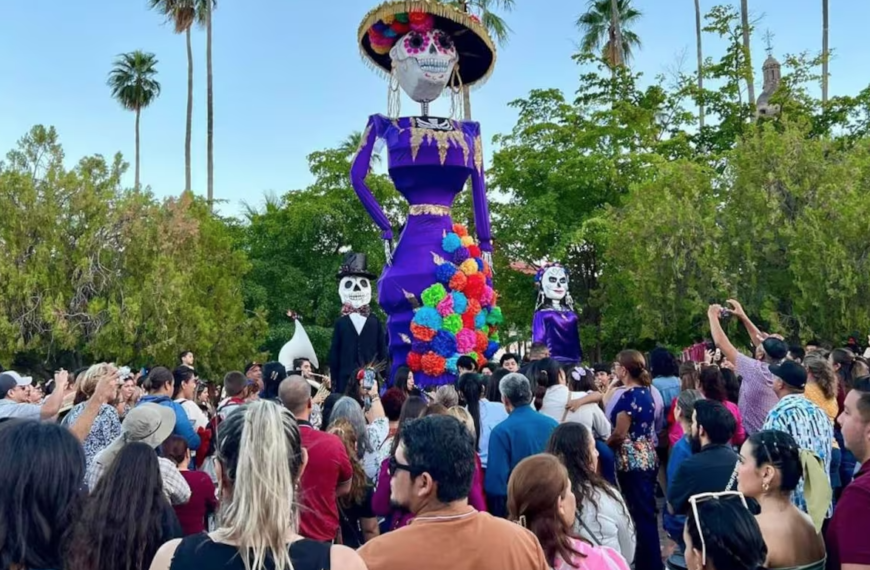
x=182, y=13
x=700, y=63
x=825, y=52
x=350, y=146
x=204, y=10
x=744, y=23
x=495, y=24
x=133, y=84
x=605, y=27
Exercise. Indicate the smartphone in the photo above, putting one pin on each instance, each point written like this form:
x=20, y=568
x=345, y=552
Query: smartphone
x=368, y=381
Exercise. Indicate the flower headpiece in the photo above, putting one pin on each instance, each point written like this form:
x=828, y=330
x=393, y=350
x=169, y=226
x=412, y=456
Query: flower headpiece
x=543, y=269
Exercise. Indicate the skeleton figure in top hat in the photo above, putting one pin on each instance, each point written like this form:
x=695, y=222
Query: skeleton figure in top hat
x=437, y=285
x=359, y=338
x=555, y=323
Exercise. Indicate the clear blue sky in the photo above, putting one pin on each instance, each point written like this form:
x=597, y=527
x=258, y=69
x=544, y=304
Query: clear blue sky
x=289, y=80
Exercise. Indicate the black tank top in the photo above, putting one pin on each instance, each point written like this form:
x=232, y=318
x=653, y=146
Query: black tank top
x=199, y=552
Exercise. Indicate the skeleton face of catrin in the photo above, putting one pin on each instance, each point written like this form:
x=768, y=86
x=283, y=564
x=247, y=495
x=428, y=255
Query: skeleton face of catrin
x=355, y=291
x=424, y=63
x=554, y=283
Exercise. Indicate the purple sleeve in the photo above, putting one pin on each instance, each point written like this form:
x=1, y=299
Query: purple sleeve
x=381, y=498
x=539, y=328
x=478, y=191
x=360, y=169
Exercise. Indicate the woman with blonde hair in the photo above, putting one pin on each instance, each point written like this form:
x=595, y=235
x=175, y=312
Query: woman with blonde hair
x=541, y=499
x=106, y=425
x=259, y=462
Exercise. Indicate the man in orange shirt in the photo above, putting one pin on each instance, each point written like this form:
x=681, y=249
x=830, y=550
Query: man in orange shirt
x=431, y=476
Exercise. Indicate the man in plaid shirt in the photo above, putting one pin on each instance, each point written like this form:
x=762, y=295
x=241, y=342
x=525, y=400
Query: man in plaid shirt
x=151, y=424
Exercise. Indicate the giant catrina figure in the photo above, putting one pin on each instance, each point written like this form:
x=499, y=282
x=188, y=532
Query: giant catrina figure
x=555, y=323
x=437, y=285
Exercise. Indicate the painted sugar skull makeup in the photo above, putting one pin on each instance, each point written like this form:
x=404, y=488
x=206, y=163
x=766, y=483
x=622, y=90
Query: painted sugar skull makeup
x=424, y=62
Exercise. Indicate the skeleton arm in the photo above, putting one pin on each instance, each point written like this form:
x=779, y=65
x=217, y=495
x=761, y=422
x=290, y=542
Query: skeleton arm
x=360, y=169
x=478, y=191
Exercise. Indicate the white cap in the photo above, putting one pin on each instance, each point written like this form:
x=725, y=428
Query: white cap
x=19, y=379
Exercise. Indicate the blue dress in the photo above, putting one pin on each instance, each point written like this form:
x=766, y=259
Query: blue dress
x=637, y=452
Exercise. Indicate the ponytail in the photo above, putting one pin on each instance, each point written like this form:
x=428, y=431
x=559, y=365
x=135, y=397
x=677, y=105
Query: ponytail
x=471, y=386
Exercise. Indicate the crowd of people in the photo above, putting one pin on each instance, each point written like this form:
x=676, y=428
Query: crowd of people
x=743, y=461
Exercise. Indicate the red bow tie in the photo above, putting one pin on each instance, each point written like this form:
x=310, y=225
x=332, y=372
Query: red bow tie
x=364, y=311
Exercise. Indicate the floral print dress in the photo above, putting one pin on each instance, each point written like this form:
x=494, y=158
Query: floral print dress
x=638, y=451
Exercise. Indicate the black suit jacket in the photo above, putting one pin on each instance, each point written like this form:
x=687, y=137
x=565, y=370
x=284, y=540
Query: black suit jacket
x=350, y=350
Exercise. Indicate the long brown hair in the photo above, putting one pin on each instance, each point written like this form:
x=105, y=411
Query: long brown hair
x=345, y=432
x=534, y=488
x=635, y=364
x=823, y=374
x=689, y=377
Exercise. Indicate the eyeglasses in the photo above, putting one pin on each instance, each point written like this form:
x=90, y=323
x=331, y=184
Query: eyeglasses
x=702, y=497
x=394, y=466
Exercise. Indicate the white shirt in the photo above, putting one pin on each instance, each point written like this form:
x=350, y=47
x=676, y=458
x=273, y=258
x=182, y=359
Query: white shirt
x=610, y=524
x=197, y=418
x=589, y=415
x=491, y=414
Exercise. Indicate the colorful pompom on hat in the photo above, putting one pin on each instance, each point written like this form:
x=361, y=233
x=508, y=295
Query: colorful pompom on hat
x=382, y=27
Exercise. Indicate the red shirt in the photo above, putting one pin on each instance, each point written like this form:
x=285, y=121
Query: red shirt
x=847, y=533
x=328, y=467
x=202, y=501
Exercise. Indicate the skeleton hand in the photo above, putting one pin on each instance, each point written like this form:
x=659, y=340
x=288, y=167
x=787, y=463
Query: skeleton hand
x=487, y=257
x=388, y=251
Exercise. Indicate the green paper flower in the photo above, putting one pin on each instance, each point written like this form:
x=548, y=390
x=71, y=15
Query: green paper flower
x=495, y=316
x=434, y=295
x=452, y=323
x=473, y=356
x=402, y=18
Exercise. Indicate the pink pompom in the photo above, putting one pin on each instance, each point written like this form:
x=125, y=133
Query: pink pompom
x=465, y=341
x=445, y=307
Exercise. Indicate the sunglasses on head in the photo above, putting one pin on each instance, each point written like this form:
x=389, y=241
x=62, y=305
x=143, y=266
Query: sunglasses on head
x=702, y=498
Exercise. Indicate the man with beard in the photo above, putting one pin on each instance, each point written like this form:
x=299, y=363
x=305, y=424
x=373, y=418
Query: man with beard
x=713, y=465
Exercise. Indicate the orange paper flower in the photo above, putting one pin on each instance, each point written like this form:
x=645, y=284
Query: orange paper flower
x=433, y=364
x=422, y=333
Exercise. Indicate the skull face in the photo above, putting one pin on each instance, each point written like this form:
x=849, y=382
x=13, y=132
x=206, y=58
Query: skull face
x=424, y=63
x=355, y=291
x=554, y=283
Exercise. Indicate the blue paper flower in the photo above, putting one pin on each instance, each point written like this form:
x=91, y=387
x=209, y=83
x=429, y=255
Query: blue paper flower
x=445, y=272
x=460, y=255
x=489, y=281
x=479, y=263
x=451, y=242
x=480, y=320
x=428, y=317
x=460, y=302
x=491, y=349
x=390, y=33
x=450, y=365
x=420, y=346
x=444, y=344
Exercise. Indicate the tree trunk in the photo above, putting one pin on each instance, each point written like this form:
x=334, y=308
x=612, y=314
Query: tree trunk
x=188, y=133
x=137, y=148
x=210, y=104
x=700, y=62
x=617, y=32
x=825, y=52
x=750, y=81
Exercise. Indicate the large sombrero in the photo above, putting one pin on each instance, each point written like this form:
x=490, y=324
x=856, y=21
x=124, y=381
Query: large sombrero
x=383, y=26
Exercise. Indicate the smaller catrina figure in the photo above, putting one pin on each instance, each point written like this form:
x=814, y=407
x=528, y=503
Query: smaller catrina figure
x=555, y=323
x=358, y=338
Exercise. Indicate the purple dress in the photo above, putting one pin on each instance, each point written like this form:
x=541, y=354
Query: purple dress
x=429, y=161
x=559, y=330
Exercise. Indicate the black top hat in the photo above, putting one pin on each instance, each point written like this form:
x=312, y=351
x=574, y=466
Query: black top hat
x=355, y=265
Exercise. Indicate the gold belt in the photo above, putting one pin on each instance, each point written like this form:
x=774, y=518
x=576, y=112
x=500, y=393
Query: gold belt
x=429, y=209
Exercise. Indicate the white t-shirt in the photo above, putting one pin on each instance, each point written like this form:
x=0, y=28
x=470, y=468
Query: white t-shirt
x=196, y=416
x=589, y=415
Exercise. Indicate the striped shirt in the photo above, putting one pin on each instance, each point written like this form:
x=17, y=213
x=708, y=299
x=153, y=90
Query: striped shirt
x=811, y=429
x=757, y=397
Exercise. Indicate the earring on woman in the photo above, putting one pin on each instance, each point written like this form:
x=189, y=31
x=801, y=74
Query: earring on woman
x=394, y=97
x=765, y=486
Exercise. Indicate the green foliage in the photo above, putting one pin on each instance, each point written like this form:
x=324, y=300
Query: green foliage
x=132, y=80
x=93, y=272
x=596, y=24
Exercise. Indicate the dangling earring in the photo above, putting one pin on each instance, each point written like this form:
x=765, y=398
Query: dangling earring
x=540, y=302
x=765, y=486
x=394, y=97
x=455, y=92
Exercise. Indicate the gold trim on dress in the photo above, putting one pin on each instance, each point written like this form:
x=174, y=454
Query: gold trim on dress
x=429, y=210
x=443, y=139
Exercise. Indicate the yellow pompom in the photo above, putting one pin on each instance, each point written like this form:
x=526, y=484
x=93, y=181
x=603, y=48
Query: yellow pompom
x=469, y=267
x=467, y=241
x=389, y=19
x=381, y=49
